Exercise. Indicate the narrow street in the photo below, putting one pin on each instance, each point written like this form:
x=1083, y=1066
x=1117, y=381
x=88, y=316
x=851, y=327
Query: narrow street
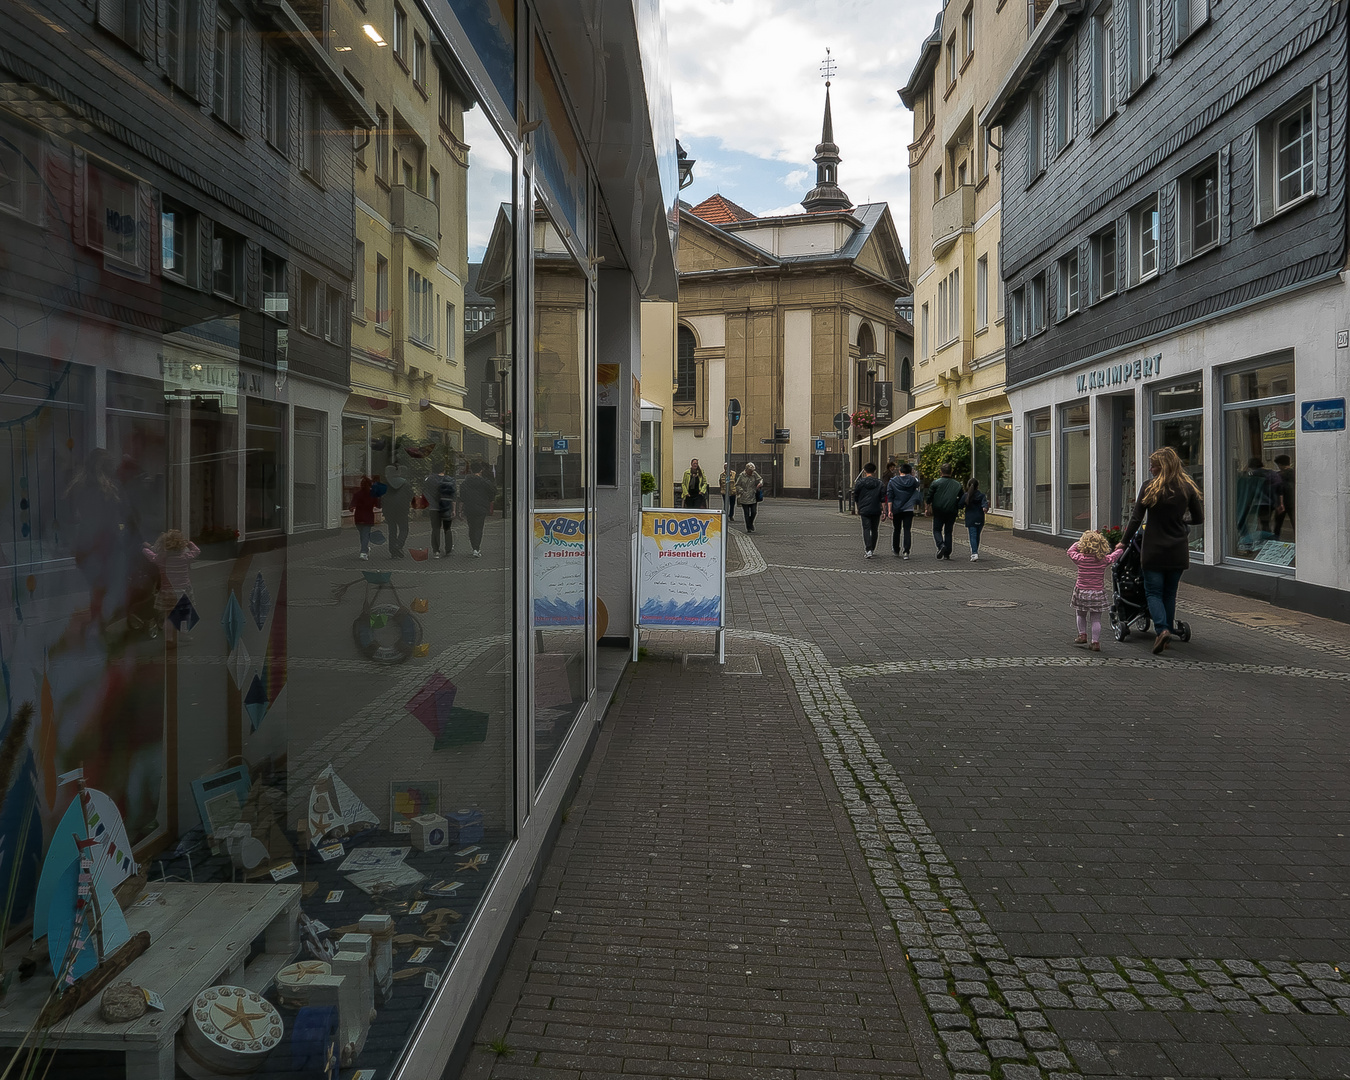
x=1092, y=866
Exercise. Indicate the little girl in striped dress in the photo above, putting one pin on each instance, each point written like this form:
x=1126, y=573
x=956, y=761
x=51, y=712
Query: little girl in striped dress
x=1093, y=555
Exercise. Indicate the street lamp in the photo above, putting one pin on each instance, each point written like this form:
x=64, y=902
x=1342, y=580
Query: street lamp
x=503, y=366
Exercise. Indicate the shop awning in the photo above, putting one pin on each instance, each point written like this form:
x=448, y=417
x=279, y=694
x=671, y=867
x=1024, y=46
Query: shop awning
x=469, y=422
x=908, y=420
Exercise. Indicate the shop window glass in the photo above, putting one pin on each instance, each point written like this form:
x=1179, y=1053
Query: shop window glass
x=561, y=539
x=1075, y=469
x=138, y=443
x=1178, y=422
x=1002, y=498
x=1260, y=464
x=1038, y=469
x=311, y=474
x=264, y=462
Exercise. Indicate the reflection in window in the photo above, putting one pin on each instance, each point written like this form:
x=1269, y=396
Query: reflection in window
x=1076, y=469
x=1038, y=468
x=1260, y=464
x=561, y=523
x=1178, y=422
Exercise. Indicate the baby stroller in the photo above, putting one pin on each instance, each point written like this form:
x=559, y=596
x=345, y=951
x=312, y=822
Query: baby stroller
x=1129, y=604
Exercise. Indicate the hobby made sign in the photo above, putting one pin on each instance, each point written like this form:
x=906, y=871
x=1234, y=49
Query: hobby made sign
x=1143, y=367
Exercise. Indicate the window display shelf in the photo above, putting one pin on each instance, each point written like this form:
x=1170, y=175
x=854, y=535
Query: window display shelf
x=200, y=935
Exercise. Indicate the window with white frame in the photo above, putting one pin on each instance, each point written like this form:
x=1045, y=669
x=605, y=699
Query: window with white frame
x=1287, y=158
x=227, y=98
x=1036, y=304
x=332, y=330
x=311, y=305
x=419, y=61
x=968, y=29
x=1035, y=134
x=1017, y=316
x=982, y=292
x=311, y=136
x=1144, y=240
x=998, y=281
x=953, y=60
x=1143, y=40
x=183, y=44
x=1066, y=98
x=1199, y=210
x=942, y=313
x=923, y=331
x=1103, y=64
x=276, y=295
x=276, y=105
x=1068, y=286
x=419, y=308
x=382, y=293
x=401, y=34
x=382, y=145
x=450, y=326
x=1190, y=15
x=954, y=301
x=1104, y=256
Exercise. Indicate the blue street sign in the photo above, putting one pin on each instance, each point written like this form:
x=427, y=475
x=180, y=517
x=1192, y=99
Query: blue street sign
x=1328, y=415
x=819, y=445
x=560, y=446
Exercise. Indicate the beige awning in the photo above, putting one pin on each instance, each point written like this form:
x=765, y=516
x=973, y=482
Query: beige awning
x=469, y=422
x=908, y=420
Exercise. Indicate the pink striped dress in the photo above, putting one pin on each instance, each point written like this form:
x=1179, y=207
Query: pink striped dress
x=1089, y=591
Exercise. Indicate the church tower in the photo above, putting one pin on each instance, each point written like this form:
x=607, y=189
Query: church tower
x=826, y=195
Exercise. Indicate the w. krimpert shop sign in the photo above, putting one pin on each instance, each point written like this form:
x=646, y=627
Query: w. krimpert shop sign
x=1143, y=367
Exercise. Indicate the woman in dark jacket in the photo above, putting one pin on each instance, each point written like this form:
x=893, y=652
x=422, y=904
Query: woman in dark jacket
x=1166, y=552
x=976, y=503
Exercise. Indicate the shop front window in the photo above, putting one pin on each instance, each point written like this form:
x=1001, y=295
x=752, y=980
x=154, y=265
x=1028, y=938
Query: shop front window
x=1178, y=422
x=1038, y=469
x=1260, y=464
x=561, y=523
x=264, y=480
x=1075, y=466
x=991, y=450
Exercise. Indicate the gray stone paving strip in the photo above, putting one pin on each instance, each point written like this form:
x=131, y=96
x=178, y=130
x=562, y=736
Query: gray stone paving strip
x=998, y=1030
x=752, y=562
x=893, y=573
x=993, y=663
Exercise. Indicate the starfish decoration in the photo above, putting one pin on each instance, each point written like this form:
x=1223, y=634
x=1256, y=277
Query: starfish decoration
x=476, y=863
x=240, y=1016
x=308, y=967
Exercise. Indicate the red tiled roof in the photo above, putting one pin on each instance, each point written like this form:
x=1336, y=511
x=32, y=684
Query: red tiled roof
x=721, y=211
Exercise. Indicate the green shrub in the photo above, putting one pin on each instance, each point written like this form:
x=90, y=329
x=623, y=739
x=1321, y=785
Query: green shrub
x=957, y=451
x=648, y=483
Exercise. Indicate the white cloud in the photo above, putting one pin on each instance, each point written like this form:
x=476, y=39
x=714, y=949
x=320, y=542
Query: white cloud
x=779, y=211
x=746, y=72
x=797, y=179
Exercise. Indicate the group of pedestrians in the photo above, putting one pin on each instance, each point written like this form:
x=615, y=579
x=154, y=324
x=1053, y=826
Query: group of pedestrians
x=902, y=495
x=442, y=497
x=744, y=489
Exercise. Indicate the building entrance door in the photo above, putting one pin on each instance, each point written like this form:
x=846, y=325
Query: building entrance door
x=1124, y=445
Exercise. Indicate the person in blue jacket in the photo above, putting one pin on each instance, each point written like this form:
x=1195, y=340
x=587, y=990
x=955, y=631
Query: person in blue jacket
x=976, y=503
x=905, y=494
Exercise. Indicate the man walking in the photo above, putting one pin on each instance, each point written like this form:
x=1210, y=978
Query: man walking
x=945, y=498
x=868, y=493
x=477, y=494
x=906, y=496
x=396, y=502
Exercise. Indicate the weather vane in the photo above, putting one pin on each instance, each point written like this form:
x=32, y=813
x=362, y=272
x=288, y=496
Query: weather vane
x=827, y=68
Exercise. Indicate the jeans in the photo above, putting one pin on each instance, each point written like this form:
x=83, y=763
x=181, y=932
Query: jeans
x=363, y=534
x=1160, y=586
x=398, y=535
x=974, y=531
x=437, y=524
x=476, y=521
x=870, y=524
x=731, y=507
x=748, y=511
x=942, y=531
x=901, y=519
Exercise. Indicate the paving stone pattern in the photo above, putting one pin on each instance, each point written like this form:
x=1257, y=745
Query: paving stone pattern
x=1061, y=841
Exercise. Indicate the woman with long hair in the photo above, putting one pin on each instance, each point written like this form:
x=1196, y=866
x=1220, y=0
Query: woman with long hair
x=1166, y=500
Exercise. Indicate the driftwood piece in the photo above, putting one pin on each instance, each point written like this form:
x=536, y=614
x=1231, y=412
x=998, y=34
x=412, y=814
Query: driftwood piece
x=58, y=1008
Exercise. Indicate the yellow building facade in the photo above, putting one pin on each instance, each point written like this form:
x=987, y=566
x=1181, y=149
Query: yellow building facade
x=409, y=378
x=954, y=225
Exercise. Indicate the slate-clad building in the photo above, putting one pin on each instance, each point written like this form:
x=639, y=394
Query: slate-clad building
x=1174, y=235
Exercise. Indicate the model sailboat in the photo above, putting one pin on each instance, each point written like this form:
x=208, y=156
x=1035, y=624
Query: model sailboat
x=75, y=908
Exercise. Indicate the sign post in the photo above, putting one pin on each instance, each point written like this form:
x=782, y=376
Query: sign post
x=733, y=418
x=818, y=448
x=841, y=426
x=681, y=572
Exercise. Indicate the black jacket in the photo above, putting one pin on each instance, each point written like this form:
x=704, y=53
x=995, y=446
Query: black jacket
x=1167, y=539
x=867, y=494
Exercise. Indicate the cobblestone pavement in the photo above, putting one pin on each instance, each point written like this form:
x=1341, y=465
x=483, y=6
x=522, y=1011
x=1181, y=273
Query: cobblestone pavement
x=1096, y=864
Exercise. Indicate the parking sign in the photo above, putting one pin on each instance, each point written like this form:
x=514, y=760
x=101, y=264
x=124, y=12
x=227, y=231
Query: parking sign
x=820, y=446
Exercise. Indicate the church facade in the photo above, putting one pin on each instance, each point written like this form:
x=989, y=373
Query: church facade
x=794, y=317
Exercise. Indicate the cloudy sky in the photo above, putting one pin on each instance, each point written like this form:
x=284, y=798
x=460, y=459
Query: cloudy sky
x=749, y=96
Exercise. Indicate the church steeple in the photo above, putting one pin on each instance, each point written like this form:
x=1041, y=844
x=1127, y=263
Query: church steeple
x=826, y=195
